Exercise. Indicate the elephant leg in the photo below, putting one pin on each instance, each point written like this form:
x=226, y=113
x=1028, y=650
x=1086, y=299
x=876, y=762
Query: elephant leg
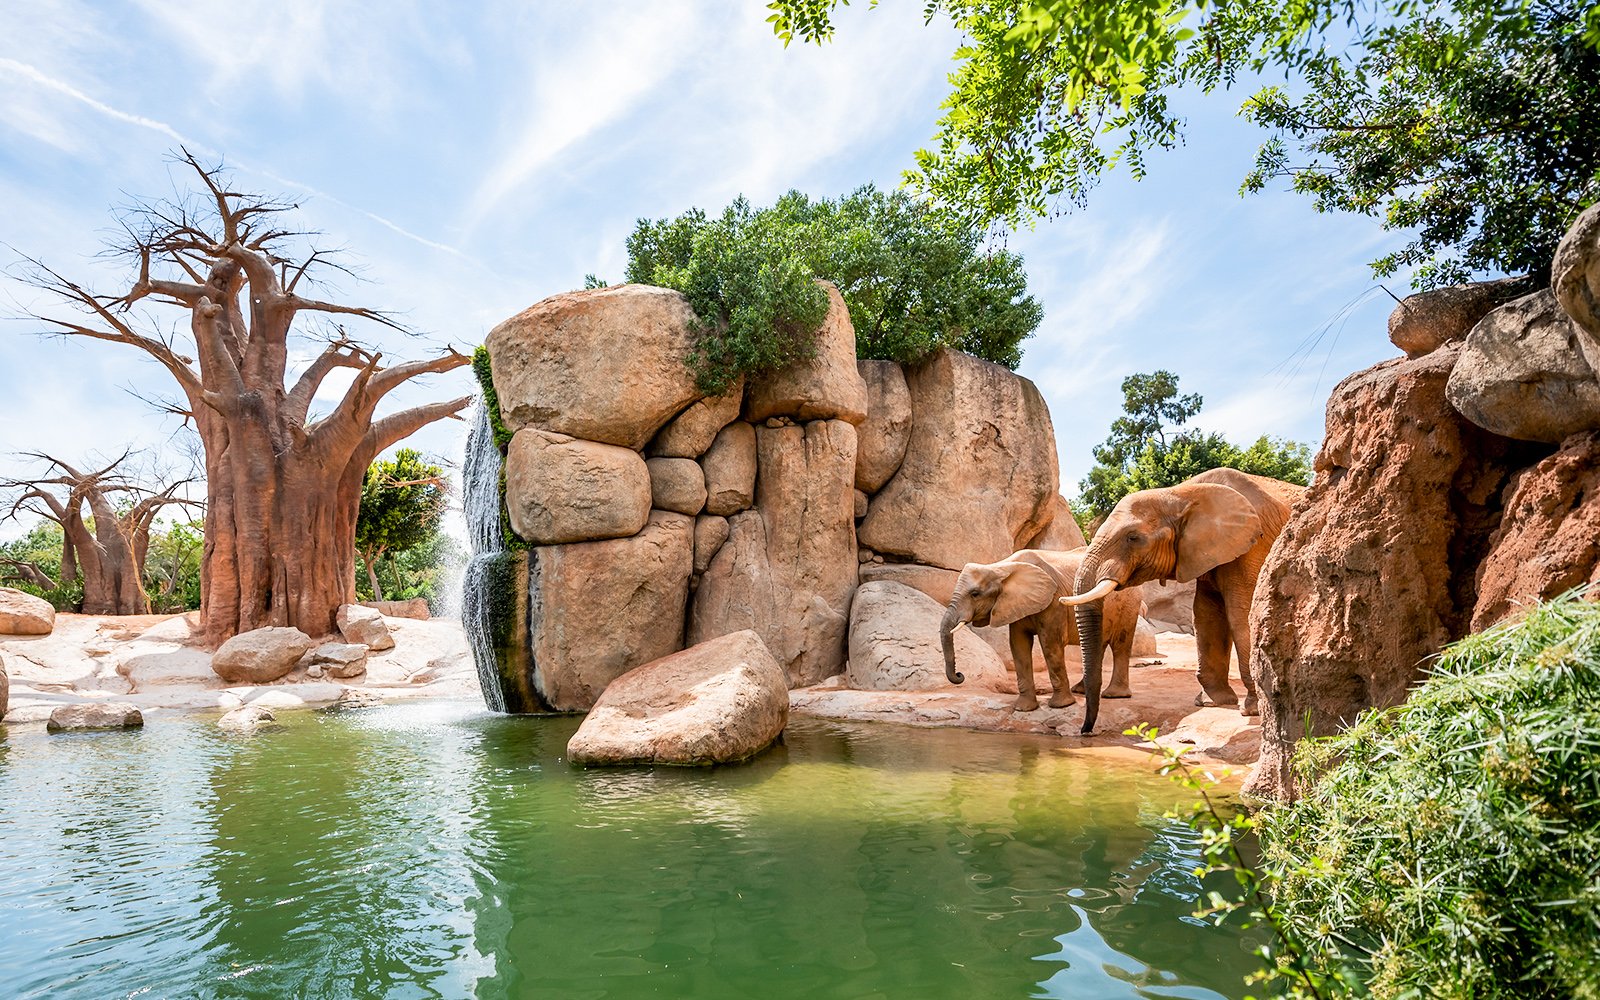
x=1052, y=641
x=1118, y=631
x=1239, y=625
x=1022, y=666
x=1212, y=641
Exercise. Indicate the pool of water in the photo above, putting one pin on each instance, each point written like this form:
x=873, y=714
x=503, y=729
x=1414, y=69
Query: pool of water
x=434, y=850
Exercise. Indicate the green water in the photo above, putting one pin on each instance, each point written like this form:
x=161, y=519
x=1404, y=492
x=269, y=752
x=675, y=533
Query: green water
x=433, y=850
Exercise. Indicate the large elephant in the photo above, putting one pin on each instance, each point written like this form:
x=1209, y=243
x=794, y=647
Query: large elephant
x=1215, y=529
x=1023, y=591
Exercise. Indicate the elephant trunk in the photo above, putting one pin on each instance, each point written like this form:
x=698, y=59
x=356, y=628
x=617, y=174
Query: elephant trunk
x=947, y=639
x=1089, y=638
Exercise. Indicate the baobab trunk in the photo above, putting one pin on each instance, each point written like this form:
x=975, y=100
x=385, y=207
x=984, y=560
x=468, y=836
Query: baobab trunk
x=283, y=489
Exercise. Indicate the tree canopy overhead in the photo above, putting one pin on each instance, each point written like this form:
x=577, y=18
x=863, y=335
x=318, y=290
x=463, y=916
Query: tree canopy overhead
x=914, y=278
x=1472, y=126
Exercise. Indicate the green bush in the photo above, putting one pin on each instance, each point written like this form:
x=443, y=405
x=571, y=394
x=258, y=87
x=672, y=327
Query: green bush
x=914, y=279
x=1450, y=847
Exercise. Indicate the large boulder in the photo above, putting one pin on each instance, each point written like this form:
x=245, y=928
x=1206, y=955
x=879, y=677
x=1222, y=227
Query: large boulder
x=416, y=608
x=24, y=614
x=691, y=432
x=730, y=470
x=338, y=659
x=826, y=385
x=363, y=625
x=1548, y=540
x=1575, y=278
x=1062, y=534
x=713, y=703
x=1169, y=606
x=935, y=581
x=560, y=489
x=882, y=437
x=677, y=484
x=1366, y=582
x=1423, y=322
x=599, y=609
x=894, y=643
x=980, y=473
x=788, y=568
x=263, y=655
x=606, y=365
x=95, y=715
x=1522, y=373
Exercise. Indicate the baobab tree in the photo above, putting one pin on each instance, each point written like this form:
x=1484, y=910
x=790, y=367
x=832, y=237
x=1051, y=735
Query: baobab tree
x=107, y=550
x=282, y=486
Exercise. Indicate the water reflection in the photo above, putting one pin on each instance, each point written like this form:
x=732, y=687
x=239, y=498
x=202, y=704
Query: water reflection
x=439, y=851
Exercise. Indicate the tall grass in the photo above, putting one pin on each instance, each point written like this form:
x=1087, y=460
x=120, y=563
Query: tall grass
x=1450, y=847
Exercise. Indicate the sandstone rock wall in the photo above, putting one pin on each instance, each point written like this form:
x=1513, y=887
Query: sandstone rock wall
x=655, y=517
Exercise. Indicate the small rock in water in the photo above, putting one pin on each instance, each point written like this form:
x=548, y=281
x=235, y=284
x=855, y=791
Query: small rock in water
x=115, y=715
x=351, y=699
x=247, y=717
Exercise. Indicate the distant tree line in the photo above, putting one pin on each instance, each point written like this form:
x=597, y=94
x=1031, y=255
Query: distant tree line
x=1146, y=450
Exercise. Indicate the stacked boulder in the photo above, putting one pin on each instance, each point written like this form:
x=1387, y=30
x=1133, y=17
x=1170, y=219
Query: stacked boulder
x=656, y=517
x=1454, y=484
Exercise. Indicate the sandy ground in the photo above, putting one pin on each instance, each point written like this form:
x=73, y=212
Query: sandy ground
x=1164, y=689
x=151, y=661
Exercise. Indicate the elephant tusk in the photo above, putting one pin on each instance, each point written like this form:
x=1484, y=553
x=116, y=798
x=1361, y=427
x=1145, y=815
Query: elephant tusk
x=1100, y=590
x=959, y=627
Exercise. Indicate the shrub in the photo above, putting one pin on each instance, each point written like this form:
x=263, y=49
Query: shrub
x=914, y=279
x=1450, y=847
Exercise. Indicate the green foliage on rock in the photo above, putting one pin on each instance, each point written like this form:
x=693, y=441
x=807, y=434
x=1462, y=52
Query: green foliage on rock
x=485, y=375
x=1450, y=847
x=914, y=279
x=1140, y=455
x=1468, y=125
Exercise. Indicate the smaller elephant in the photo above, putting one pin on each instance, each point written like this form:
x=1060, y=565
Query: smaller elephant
x=1024, y=591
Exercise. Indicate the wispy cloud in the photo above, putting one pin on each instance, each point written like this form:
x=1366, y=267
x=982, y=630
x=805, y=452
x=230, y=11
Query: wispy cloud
x=30, y=73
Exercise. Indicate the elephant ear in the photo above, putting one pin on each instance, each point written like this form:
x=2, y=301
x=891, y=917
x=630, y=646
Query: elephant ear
x=1026, y=590
x=1219, y=527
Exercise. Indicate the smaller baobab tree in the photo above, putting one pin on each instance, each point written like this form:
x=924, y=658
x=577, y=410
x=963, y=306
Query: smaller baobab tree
x=107, y=549
x=282, y=485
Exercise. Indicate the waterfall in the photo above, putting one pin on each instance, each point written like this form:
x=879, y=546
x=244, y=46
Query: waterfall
x=481, y=503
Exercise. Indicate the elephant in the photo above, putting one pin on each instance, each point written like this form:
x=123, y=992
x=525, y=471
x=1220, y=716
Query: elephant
x=1022, y=591
x=1215, y=529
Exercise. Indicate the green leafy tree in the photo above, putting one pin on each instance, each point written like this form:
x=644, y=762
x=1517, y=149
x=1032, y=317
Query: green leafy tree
x=1469, y=125
x=1140, y=454
x=914, y=279
x=403, y=500
x=172, y=565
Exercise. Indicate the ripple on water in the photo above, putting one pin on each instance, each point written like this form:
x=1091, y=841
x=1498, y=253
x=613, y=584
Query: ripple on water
x=437, y=850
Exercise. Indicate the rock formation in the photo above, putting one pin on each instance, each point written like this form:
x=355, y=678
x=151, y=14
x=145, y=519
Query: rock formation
x=720, y=701
x=1548, y=540
x=1522, y=374
x=22, y=613
x=603, y=365
x=102, y=715
x=263, y=655
x=1362, y=586
x=979, y=477
x=894, y=643
x=361, y=624
x=646, y=516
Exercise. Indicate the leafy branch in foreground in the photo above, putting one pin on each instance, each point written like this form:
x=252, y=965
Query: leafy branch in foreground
x=1289, y=968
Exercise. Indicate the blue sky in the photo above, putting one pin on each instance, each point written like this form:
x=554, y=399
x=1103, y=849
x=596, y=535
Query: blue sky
x=476, y=158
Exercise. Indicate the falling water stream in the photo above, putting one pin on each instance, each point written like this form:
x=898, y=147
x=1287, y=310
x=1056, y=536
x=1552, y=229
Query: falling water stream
x=482, y=508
